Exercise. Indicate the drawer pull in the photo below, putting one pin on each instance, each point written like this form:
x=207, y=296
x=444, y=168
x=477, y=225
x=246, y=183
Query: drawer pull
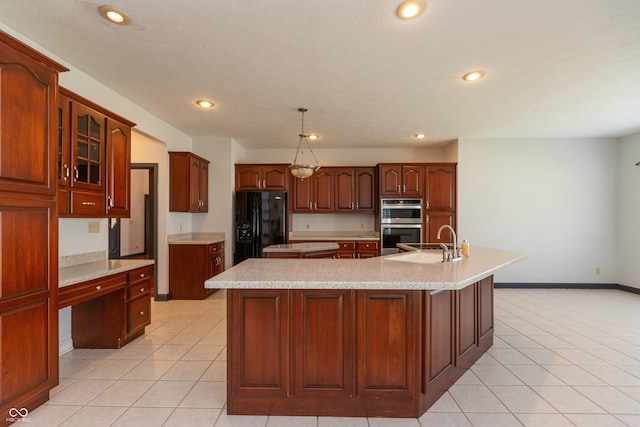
x=141, y=313
x=141, y=290
x=88, y=203
x=98, y=287
x=142, y=275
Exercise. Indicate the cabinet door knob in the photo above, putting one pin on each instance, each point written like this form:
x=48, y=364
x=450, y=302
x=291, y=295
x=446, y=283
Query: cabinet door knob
x=75, y=173
x=404, y=188
x=142, y=275
x=98, y=287
x=141, y=290
x=264, y=183
x=141, y=313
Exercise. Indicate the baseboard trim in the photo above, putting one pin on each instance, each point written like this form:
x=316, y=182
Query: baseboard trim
x=162, y=297
x=616, y=286
x=65, y=346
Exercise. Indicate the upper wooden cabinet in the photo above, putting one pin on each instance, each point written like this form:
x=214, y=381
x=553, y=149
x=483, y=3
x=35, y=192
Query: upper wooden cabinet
x=398, y=180
x=355, y=189
x=188, y=182
x=440, y=187
x=28, y=227
x=93, y=159
x=314, y=194
x=253, y=177
x=28, y=89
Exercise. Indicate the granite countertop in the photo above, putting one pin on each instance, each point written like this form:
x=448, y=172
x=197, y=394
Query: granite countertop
x=79, y=273
x=303, y=247
x=195, y=238
x=335, y=236
x=372, y=273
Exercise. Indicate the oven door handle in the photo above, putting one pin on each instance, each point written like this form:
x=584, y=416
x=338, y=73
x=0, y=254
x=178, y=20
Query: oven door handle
x=401, y=225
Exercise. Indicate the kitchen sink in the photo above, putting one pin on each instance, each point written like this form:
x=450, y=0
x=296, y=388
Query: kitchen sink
x=420, y=257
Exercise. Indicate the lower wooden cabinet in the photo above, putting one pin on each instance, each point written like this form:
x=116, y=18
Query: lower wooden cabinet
x=190, y=265
x=349, y=352
x=357, y=249
x=111, y=311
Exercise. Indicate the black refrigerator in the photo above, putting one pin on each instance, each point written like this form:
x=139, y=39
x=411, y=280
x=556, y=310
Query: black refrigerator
x=261, y=220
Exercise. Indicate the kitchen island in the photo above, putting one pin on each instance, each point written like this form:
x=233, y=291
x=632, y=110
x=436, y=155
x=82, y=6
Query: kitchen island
x=385, y=336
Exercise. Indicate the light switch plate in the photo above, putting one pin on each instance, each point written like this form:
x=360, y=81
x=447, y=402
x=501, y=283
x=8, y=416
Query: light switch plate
x=93, y=227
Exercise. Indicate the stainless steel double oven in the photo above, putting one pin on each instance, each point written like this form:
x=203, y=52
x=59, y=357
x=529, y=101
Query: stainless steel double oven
x=401, y=222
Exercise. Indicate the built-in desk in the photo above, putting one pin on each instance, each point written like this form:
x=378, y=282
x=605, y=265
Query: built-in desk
x=110, y=301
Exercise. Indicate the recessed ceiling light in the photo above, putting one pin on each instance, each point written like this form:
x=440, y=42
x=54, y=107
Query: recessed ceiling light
x=115, y=15
x=420, y=135
x=204, y=103
x=313, y=136
x=410, y=9
x=473, y=76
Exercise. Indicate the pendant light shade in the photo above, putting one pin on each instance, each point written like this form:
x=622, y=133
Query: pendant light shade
x=298, y=168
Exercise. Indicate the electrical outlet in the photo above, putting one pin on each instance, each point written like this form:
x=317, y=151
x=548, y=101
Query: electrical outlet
x=93, y=227
x=308, y=226
x=361, y=226
x=597, y=270
x=180, y=227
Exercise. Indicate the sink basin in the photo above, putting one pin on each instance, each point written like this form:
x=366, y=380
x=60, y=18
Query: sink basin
x=420, y=257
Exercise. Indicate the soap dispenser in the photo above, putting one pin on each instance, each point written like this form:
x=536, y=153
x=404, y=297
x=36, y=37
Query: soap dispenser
x=465, y=248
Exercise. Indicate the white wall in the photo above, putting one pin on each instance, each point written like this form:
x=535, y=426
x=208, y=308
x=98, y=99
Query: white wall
x=553, y=200
x=629, y=212
x=350, y=156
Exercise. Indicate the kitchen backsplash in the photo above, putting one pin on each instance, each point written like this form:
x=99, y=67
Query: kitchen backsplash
x=333, y=222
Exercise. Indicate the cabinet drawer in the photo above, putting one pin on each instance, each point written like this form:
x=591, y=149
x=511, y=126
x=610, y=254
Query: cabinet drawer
x=368, y=246
x=138, y=289
x=347, y=246
x=87, y=203
x=138, y=313
x=216, y=248
x=75, y=294
x=140, y=274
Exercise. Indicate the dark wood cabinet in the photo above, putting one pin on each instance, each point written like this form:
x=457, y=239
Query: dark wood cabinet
x=262, y=177
x=28, y=226
x=188, y=182
x=93, y=159
x=110, y=311
x=355, y=190
x=190, y=265
x=439, y=202
x=346, y=352
x=314, y=194
x=367, y=248
x=400, y=180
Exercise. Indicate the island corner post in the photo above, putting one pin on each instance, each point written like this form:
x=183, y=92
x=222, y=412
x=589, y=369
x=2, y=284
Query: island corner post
x=352, y=352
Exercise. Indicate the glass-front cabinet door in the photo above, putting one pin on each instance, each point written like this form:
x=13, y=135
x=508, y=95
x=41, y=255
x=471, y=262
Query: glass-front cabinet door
x=88, y=145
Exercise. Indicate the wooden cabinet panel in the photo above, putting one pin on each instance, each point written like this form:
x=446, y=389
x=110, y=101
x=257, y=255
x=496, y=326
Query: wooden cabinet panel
x=190, y=266
x=344, y=190
x=440, y=187
x=439, y=335
x=368, y=248
x=466, y=326
x=262, y=177
x=354, y=190
x=485, y=304
x=433, y=220
x=314, y=194
x=28, y=91
x=366, y=190
x=138, y=314
x=386, y=354
x=259, y=336
x=118, y=169
x=324, y=352
x=401, y=180
x=188, y=182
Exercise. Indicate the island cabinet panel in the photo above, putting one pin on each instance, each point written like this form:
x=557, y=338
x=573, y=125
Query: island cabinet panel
x=323, y=356
x=259, y=335
x=386, y=334
x=466, y=328
x=385, y=353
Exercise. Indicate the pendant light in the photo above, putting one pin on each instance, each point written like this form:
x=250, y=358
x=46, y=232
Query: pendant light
x=299, y=169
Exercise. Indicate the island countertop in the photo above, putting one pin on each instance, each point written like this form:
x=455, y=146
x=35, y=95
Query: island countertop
x=373, y=273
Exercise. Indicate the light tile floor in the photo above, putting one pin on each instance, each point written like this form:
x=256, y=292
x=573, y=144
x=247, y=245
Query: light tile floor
x=560, y=358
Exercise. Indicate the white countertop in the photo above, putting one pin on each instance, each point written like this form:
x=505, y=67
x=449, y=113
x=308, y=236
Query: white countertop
x=371, y=273
x=68, y=276
x=302, y=247
x=196, y=238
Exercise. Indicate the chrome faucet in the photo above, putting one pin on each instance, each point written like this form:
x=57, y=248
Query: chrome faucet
x=455, y=253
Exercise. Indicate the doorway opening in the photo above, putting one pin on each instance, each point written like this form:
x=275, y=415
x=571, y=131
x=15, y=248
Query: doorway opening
x=136, y=237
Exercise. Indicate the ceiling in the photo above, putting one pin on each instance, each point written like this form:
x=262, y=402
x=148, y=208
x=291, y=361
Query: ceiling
x=554, y=69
